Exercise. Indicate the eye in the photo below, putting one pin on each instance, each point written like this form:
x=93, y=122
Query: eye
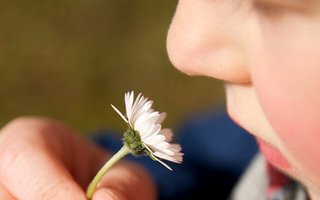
x=269, y=9
x=290, y=4
x=278, y=7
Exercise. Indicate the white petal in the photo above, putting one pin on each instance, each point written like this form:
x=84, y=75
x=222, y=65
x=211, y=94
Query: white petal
x=128, y=98
x=167, y=133
x=166, y=157
x=172, y=152
x=152, y=117
x=153, y=140
x=147, y=118
x=152, y=132
x=144, y=129
x=166, y=151
x=142, y=108
x=142, y=125
x=162, y=146
x=140, y=100
x=139, y=107
x=157, y=159
x=166, y=148
x=164, y=164
x=175, y=147
x=121, y=115
x=162, y=117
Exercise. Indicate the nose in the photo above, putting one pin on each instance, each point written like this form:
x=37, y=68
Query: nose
x=205, y=38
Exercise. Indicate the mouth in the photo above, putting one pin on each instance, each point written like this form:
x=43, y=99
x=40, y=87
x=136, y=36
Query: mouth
x=244, y=110
x=273, y=155
x=234, y=119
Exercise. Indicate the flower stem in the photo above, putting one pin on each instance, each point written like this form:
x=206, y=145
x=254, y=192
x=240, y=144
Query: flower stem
x=113, y=160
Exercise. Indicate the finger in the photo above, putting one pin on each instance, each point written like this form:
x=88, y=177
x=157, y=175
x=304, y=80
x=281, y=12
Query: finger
x=30, y=170
x=108, y=193
x=126, y=181
x=30, y=174
x=83, y=159
x=5, y=194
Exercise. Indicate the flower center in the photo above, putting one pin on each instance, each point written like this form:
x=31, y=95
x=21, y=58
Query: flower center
x=132, y=139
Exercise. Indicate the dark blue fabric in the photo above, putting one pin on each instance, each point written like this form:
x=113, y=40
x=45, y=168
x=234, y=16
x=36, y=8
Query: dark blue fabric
x=216, y=153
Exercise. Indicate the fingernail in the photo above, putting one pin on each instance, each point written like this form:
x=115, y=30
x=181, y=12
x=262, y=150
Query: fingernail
x=107, y=194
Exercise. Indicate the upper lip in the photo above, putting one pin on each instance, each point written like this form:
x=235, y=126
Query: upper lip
x=234, y=119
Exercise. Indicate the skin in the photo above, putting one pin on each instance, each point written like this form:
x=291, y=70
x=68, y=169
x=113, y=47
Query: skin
x=44, y=159
x=267, y=52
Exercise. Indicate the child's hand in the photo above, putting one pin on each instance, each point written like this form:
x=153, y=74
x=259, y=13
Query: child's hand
x=42, y=159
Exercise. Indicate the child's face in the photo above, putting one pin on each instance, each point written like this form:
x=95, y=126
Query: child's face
x=268, y=52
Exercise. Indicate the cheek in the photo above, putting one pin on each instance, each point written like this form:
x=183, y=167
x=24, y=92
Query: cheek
x=290, y=96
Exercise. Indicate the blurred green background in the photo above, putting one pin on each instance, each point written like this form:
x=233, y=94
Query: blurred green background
x=71, y=59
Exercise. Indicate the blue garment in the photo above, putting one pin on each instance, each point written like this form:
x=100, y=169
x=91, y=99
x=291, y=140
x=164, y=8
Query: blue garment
x=216, y=153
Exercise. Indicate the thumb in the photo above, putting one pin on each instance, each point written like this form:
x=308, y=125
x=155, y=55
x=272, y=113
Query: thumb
x=126, y=181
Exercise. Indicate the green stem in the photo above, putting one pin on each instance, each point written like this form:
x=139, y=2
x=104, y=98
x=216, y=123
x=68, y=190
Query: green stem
x=113, y=160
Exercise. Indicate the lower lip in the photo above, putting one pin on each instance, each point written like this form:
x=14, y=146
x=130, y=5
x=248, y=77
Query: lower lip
x=273, y=155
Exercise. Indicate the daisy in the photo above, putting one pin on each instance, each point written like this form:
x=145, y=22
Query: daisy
x=144, y=136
